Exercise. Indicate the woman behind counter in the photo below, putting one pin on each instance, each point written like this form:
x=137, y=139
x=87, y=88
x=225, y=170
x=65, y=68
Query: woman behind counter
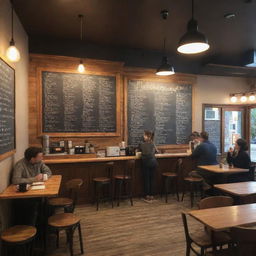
x=149, y=164
x=239, y=157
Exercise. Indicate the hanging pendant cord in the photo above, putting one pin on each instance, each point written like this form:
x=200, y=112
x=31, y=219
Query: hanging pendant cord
x=81, y=26
x=192, y=9
x=12, y=21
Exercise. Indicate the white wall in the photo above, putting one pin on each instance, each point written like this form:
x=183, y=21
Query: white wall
x=21, y=76
x=215, y=90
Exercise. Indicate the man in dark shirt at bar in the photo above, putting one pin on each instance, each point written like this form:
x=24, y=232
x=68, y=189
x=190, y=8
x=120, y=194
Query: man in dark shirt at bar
x=206, y=154
x=28, y=170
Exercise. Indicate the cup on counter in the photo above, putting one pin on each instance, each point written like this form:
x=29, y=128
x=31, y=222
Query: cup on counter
x=45, y=177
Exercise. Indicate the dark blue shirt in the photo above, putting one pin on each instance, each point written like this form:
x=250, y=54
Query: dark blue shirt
x=205, y=153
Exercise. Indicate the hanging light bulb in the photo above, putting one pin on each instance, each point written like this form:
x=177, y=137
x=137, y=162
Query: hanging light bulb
x=81, y=67
x=243, y=98
x=12, y=53
x=252, y=97
x=193, y=42
x=233, y=98
x=165, y=69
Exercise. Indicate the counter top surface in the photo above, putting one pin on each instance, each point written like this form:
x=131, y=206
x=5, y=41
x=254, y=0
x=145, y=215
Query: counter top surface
x=59, y=159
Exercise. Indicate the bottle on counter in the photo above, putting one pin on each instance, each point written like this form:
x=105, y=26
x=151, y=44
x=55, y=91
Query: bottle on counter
x=122, y=148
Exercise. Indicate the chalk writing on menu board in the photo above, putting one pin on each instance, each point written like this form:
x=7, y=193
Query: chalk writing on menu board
x=78, y=103
x=165, y=108
x=7, y=108
x=213, y=127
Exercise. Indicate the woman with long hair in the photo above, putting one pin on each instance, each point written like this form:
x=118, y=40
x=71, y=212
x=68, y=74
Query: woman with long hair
x=149, y=164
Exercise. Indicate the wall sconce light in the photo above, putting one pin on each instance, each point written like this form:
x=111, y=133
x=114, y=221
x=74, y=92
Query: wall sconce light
x=242, y=97
x=252, y=97
x=233, y=98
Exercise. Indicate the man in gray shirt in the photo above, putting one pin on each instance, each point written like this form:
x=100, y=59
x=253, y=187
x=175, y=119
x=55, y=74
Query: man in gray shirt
x=30, y=168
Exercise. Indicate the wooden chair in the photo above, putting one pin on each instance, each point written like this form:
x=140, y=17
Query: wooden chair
x=68, y=222
x=18, y=240
x=101, y=182
x=169, y=178
x=245, y=238
x=68, y=203
x=201, y=239
x=193, y=183
x=215, y=201
x=123, y=182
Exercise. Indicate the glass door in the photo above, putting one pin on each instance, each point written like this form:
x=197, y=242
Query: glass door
x=232, y=126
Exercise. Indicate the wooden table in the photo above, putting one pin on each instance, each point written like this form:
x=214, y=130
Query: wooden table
x=216, y=169
x=52, y=186
x=226, y=217
x=238, y=189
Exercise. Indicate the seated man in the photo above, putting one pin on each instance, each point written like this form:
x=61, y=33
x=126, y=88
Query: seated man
x=28, y=170
x=206, y=154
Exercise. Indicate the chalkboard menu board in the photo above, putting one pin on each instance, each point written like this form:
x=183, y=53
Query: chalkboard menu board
x=213, y=128
x=7, y=108
x=163, y=107
x=78, y=103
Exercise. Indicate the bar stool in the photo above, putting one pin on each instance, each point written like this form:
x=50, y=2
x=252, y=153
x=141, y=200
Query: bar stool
x=21, y=238
x=123, y=182
x=193, y=183
x=68, y=222
x=101, y=182
x=68, y=203
x=171, y=177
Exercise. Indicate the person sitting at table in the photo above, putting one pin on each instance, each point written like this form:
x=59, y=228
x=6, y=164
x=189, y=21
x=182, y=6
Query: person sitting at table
x=28, y=170
x=194, y=140
x=239, y=157
x=205, y=154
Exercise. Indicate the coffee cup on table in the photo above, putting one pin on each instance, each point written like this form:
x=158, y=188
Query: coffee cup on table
x=23, y=187
x=45, y=177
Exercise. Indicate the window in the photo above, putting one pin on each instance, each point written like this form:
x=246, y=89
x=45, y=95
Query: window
x=253, y=134
x=226, y=123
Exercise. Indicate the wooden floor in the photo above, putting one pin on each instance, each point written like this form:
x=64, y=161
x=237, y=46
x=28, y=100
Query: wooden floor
x=144, y=229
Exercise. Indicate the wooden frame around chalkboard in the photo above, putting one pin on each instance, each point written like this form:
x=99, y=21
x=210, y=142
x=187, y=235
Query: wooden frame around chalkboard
x=77, y=134
x=176, y=79
x=13, y=151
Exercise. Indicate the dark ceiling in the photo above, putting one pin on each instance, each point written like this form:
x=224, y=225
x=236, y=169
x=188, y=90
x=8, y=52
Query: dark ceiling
x=136, y=24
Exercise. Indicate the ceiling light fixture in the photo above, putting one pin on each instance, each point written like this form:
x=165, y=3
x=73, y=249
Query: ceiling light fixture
x=165, y=68
x=81, y=67
x=193, y=42
x=12, y=52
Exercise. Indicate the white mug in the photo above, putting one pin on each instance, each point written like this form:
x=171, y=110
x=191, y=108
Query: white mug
x=45, y=177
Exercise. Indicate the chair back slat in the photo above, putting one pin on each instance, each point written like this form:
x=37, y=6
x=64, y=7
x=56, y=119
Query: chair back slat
x=215, y=201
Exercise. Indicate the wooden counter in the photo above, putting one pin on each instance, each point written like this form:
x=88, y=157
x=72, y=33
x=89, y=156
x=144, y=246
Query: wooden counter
x=87, y=167
x=83, y=158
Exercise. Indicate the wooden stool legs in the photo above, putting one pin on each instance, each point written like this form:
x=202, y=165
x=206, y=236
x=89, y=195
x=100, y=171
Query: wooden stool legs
x=166, y=182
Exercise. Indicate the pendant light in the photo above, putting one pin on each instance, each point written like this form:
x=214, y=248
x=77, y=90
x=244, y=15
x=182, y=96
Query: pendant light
x=165, y=68
x=81, y=67
x=12, y=53
x=193, y=42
